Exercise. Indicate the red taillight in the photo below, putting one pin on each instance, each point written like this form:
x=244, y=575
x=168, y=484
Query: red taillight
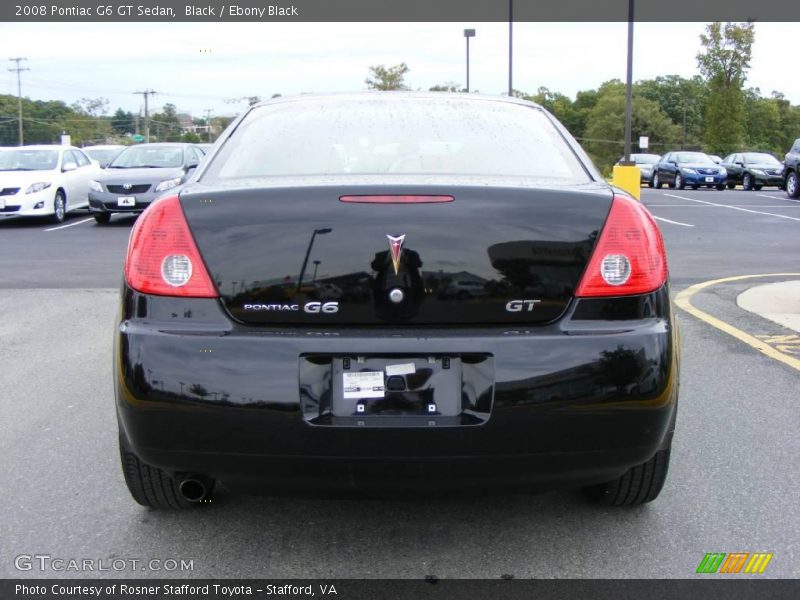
x=629, y=257
x=162, y=257
x=396, y=199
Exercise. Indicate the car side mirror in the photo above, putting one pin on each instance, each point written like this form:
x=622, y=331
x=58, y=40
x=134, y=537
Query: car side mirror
x=190, y=167
x=741, y=164
x=69, y=166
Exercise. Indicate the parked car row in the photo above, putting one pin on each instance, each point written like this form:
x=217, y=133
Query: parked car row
x=751, y=170
x=51, y=180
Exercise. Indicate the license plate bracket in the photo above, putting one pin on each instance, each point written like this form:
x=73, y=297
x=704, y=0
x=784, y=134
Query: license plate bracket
x=126, y=201
x=396, y=391
x=709, y=180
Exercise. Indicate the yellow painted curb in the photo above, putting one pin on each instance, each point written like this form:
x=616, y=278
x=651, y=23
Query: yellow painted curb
x=683, y=301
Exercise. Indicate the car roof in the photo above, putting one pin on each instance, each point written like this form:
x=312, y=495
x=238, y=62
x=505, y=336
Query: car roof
x=398, y=94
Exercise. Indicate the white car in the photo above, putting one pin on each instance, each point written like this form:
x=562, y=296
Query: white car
x=44, y=181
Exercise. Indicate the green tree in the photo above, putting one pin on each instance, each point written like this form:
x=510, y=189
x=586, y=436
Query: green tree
x=683, y=100
x=762, y=122
x=723, y=62
x=122, y=122
x=387, y=78
x=446, y=87
x=165, y=125
x=605, y=129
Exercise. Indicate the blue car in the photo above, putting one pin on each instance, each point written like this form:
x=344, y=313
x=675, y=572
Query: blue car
x=694, y=169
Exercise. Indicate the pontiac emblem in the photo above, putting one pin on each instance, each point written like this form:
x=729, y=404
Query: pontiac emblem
x=396, y=247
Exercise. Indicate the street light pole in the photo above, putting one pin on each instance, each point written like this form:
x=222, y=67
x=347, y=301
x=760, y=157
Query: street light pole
x=322, y=231
x=629, y=87
x=316, y=264
x=468, y=33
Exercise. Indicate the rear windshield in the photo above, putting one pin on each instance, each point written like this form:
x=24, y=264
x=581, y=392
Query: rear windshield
x=148, y=156
x=384, y=135
x=645, y=159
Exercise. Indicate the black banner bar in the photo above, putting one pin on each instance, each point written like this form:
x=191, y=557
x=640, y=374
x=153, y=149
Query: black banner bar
x=378, y=589
x=394, y=10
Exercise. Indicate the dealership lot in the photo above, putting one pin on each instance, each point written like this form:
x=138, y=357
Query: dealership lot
x=732, y=484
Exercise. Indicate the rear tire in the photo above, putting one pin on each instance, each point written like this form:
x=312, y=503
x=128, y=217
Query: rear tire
x=731, y=186
x=59, y=208
x=151, y=486
x=757, y=187
x=102, y=218
x=640, y=484
x=747, y=182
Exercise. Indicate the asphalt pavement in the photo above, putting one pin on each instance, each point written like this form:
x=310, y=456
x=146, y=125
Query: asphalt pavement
x=732, y=485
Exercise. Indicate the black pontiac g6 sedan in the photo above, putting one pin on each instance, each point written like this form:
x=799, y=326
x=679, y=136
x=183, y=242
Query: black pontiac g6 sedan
x=285, y=322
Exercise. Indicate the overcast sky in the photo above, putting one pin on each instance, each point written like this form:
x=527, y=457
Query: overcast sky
x=199, y=66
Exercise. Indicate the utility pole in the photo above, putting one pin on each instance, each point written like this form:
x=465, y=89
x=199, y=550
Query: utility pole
x=629, y=87
x=146, y=94
x=208, y=123
x=19, y=70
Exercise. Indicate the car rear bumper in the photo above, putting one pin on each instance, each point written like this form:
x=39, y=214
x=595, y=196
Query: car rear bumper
x=573, y=403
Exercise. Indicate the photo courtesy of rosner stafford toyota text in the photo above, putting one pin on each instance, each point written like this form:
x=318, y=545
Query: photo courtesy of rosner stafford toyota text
x=362, y=299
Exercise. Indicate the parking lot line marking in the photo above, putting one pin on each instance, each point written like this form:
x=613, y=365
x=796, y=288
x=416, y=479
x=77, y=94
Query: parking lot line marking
x=776, y=197
x=70, y=224
x=673, y=222
x=683, y=301
x=757, y=212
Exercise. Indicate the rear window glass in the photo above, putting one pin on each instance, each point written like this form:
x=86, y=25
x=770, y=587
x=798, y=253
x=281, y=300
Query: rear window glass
x=383, y=135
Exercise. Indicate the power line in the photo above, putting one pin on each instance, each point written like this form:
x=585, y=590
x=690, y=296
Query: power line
x=19, y=70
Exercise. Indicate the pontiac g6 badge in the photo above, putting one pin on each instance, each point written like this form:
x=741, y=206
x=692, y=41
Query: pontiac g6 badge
x=396, y=247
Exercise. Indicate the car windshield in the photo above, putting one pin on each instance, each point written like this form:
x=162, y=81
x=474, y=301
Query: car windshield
x=28, y=160
x=695, y=157
x=646, y=159
x=102, y=155
x=404, y=135
x=148, y=156
x=761, y=158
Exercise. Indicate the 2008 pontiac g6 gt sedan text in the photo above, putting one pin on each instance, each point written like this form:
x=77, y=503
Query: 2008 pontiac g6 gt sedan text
x=395, y=290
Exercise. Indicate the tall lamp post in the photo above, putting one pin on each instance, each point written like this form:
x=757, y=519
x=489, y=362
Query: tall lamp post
x=317, y=232
x=629, y=88
x=468, y=33
x=316, y=264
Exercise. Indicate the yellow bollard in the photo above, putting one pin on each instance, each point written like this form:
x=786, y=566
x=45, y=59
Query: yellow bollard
x=629, y=179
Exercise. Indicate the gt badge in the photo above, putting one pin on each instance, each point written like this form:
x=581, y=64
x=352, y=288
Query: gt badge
x=396, y=247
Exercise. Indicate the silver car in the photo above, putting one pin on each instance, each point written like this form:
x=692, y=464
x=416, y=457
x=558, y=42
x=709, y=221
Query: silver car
x=138, y=175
